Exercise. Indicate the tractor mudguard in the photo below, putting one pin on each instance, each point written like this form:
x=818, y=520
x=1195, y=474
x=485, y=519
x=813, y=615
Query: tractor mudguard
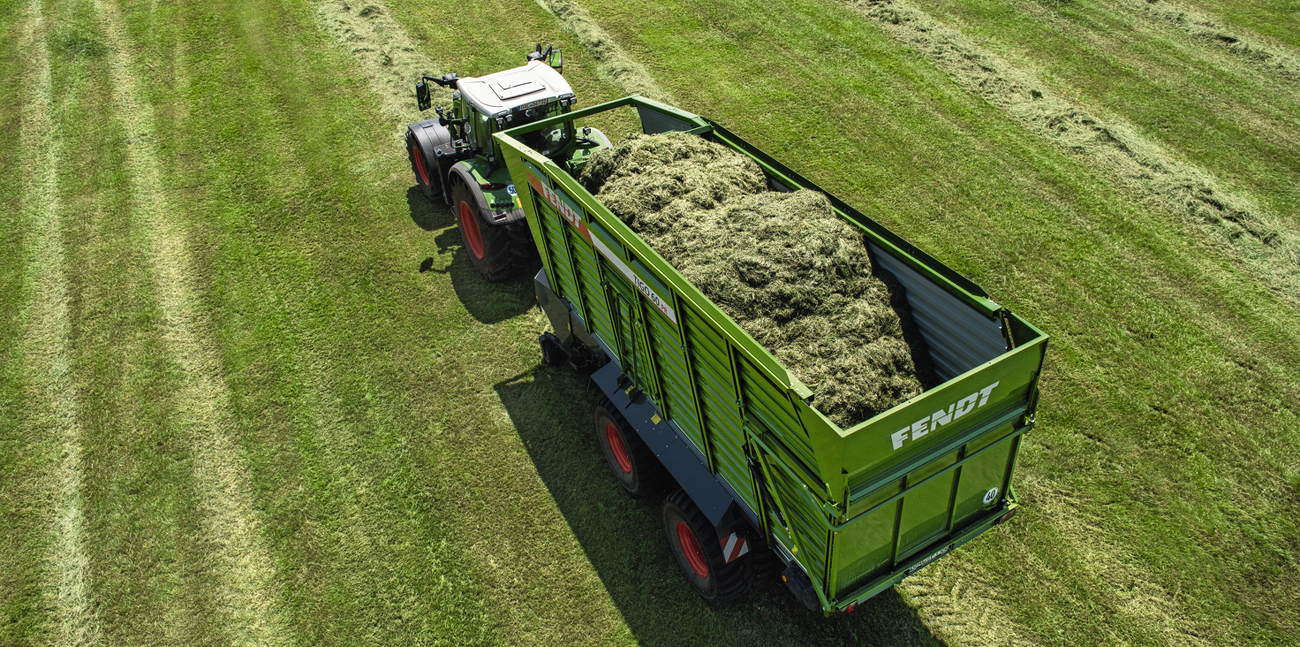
x=430, y=135
x=471, y=172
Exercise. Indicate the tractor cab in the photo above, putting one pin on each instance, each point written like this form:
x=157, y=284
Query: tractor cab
x=456, y=161
x=488, y=104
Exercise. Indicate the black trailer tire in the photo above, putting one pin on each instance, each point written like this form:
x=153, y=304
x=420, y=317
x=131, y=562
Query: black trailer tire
x=699, y=553
x=426, y=176
x=488, y=245
x=634, y=466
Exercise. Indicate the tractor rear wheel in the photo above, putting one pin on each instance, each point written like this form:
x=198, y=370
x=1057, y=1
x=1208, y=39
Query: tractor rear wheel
x=699, y=553
x=632, y=463
x=488, y=245
x=426, y=177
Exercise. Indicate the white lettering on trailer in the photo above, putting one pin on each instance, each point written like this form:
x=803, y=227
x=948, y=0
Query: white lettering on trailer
x=574, y=218
x=943, y=416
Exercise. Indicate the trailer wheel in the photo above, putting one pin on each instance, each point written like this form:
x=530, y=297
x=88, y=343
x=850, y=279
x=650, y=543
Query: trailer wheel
x=426, y=178
x=488, y=245
x=699, y=553
x=632, y=463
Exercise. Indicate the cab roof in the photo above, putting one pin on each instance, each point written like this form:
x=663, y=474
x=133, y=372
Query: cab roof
x=511, y=89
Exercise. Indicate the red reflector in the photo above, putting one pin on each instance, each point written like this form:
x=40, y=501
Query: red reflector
x=850, y=608
x=491, y=186
x=1010, y=513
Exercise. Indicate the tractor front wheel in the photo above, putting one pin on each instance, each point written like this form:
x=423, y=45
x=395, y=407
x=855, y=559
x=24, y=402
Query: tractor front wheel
x=699, y=553
x=425, y=177
x=488, y=245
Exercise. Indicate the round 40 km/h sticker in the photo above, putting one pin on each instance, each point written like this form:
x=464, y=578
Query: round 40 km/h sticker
x=990, y=496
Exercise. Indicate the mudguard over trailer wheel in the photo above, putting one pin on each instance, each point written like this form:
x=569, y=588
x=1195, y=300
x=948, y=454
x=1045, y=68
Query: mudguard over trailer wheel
x=698, y=551
x=489, y=246
x=632, y=463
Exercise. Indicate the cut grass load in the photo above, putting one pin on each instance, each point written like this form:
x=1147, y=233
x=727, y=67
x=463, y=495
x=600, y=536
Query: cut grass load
x=783, y=266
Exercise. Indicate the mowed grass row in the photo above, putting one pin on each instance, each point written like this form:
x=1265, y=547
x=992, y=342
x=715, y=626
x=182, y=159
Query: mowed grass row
x=1161, y=483
x=1225, y=112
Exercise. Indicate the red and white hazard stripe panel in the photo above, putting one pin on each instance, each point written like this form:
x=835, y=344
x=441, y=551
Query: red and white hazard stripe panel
x=734, y=546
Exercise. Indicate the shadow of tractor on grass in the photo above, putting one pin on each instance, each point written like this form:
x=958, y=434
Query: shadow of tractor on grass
x=488, y=303
x=624, y=540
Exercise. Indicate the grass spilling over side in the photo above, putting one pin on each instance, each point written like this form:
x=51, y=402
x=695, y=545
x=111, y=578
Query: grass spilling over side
x=785, y=267
x=1267, y=245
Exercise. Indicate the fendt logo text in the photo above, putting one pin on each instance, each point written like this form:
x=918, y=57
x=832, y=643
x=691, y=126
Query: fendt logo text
x=943, y=416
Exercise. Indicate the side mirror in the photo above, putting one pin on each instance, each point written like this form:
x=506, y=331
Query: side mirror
x=557, y=61
x=422, y=95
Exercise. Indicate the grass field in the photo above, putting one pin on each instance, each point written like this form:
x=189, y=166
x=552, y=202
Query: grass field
x=235, y=410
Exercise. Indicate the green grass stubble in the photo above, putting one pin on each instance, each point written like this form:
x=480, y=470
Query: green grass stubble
x=250, y=594
x=1265, y=243
x=336, y=360
x=46, y=355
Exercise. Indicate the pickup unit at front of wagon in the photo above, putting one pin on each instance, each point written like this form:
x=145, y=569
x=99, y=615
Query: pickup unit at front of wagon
x=762, y=482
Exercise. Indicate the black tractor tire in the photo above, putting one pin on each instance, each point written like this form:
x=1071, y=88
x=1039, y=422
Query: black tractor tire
x=634, y=466
x=698, y=551
x=488, y=245
x=523, y=247
x=426, y=176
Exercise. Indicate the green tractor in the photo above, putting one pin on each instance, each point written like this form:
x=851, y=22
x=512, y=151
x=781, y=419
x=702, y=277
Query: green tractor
x=456, y=161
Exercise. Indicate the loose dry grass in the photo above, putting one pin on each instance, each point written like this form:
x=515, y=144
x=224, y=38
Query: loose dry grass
x=1257, y=239
x=616, y=66
x=782, y=265
x=378, y=45
x=1249, y=47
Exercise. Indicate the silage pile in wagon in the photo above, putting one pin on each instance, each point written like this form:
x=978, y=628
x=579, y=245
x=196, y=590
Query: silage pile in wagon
x=782, y=265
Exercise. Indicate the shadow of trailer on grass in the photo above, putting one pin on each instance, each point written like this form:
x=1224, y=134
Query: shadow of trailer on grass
x=553, y=410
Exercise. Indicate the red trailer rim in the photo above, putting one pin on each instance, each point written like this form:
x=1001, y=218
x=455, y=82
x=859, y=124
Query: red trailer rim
x=469, y=225
x=419, y=165
x=617, y=447
x=691, y=548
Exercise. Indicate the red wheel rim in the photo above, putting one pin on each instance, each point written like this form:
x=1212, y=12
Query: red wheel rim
x=419, y=165
x=469, y=225
x=617, y=447
x=691, y=548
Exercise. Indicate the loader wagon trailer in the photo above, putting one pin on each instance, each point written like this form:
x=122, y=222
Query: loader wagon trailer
x=766, y=482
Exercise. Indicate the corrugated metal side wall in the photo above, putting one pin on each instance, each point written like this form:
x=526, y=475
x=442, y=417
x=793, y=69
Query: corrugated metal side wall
x=711, y=363
x=959, y=337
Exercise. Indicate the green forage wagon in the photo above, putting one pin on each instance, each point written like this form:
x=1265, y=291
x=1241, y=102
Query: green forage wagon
x=763, y=482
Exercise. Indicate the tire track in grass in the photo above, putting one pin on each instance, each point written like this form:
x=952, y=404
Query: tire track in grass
x=615, y=67
x=1231, y=220
x=45, y=354
x=249, y=599
x=1251, y=48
